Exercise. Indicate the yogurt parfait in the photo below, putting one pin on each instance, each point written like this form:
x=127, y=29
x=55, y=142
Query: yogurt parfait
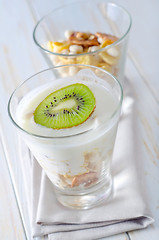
x=85, y=32
x=70, y=125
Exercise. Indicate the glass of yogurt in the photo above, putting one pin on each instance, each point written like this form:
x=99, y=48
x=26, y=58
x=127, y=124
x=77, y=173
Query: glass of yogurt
x=85, y=32
x=77, y=159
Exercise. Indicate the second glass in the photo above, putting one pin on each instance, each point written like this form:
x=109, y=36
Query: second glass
x=86, y=32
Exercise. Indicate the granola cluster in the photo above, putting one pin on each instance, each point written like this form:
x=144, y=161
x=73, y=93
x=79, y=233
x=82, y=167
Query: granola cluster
x=84, y=48
x=94, y=163
x=93, y=167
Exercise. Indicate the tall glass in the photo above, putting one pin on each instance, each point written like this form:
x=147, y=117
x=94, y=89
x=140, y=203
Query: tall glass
x=76, y=160
x=95, y=16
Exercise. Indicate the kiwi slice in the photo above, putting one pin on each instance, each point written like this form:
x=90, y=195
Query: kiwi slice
x=66, y=107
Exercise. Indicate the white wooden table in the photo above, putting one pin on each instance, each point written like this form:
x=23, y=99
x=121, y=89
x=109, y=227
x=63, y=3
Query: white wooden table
x=20, y=58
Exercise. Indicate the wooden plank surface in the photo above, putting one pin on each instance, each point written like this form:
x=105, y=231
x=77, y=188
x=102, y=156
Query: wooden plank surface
x=147, y=121
x=11, y=226
x=20, y=58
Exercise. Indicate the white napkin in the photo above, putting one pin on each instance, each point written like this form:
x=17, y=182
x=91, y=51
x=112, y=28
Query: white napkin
x=125, y=210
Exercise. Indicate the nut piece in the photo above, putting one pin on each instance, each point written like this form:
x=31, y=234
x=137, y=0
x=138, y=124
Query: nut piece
x=93, y=48
x=92, y=36
x=68, y=33
x=65, y=180
x=105, y=36
x=100, y=40
x=113, y=52
x=86, y=179
x=82, y=39
x=75, y=49
x=82, y=35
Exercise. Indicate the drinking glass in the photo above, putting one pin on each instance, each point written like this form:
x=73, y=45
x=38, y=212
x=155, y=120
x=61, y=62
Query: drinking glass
x=86, y=16
x=77, y=160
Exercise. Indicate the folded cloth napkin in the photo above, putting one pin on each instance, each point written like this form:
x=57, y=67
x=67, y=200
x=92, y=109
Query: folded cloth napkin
x=125, y=210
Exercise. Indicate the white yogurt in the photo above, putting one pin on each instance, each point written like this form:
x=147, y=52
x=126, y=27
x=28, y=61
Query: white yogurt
x=83, y=150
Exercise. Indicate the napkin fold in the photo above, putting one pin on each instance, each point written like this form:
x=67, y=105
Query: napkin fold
x=125, y=210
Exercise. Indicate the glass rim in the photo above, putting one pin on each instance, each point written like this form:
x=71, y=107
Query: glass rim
x=88, y=53
x=62, y=137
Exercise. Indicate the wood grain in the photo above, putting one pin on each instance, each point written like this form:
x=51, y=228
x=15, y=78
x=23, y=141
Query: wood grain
x=11, y=226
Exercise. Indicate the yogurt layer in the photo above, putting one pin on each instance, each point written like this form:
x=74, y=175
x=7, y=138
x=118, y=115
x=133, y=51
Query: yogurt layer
x=75, y=157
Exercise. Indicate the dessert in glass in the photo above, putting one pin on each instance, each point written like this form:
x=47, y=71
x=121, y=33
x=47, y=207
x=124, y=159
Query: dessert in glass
x=70, y=124
x=86, y=32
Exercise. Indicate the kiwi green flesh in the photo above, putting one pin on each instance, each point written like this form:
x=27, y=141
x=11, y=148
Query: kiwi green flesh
x=67, y=107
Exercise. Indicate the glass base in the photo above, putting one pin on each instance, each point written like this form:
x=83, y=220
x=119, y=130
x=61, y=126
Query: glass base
x=86, y=200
